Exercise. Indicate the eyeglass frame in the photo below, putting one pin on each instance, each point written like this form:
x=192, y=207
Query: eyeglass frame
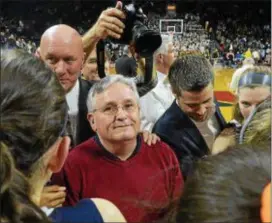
x=116, y=108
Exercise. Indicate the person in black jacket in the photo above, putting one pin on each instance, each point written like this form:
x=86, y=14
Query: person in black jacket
x=193, y=120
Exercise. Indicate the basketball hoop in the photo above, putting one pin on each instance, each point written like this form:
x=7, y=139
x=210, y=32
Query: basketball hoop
x=171, y=26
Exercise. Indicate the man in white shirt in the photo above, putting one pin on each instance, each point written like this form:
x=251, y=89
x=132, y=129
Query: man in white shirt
x=155, y=102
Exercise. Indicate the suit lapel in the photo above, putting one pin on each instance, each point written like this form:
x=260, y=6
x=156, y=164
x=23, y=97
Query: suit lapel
x=82, y=95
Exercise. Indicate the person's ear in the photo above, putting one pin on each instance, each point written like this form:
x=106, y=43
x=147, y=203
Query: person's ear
x=92, y=122
x=38, y=53
x=161, y=58
x=58, y=158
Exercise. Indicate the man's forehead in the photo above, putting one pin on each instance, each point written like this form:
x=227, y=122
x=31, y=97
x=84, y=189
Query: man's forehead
x=116, y=93
x=197, y=95
x=58, y=41
x=59, y=48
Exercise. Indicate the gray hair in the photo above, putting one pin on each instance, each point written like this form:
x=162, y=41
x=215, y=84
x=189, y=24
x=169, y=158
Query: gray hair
x=106, y=82
x=190, y=73
x=163, y=49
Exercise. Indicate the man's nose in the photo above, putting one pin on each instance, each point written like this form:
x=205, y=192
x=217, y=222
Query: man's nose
x=60, y=68
x=201, y=110
x=121, y=113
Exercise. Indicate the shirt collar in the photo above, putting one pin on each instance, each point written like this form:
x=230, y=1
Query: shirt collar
x=112, y=156
x=74, y=90
x=161, y=76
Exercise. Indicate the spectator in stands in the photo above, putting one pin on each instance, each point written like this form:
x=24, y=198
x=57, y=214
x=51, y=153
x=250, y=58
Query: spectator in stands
x=34, y=144
x=159, y=99
x=248, y=53
x=193, y=121
x=234, y=186
x=118, y=154
x=254, y=86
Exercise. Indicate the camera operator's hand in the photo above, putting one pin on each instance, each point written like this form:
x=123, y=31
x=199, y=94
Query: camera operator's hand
x=109, y=23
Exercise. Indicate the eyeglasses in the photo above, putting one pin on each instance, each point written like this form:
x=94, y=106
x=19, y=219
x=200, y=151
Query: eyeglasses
x=113, y=109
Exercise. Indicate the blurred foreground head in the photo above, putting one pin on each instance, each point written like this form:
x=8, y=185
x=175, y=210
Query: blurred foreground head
x=33, y=120
x=228, y=188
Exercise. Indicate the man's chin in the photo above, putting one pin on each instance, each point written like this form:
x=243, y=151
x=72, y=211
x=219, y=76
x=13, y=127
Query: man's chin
x=66, y=88
x=125, y=135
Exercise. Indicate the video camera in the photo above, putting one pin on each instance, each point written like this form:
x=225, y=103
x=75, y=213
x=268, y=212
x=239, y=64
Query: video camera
x=144, y=40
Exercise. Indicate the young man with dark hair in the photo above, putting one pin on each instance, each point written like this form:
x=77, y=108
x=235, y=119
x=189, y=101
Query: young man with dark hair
x=193, y=120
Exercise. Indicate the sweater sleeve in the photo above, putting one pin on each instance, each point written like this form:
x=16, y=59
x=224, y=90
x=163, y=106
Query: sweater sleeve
x=84, y=212
x=70, y=177
x=175, y=176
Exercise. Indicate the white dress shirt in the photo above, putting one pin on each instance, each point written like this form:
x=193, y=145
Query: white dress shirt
x=72, y=98
x=161, y=76
x=155, y=102
x=209, y=129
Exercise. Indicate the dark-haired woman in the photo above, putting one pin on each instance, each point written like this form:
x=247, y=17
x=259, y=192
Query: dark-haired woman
x=33, y=144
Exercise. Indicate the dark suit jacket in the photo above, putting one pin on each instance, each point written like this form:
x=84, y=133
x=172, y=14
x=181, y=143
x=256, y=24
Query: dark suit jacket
x=180, y=133
x=84, y=130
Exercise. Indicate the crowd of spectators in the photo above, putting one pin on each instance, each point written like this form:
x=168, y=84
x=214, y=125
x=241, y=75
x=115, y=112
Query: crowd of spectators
x=224, y=37
x=148, y=144
x=13, y=35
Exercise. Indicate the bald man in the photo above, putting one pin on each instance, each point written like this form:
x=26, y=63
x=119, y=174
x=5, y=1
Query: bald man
x=64, y=50
x=61, y=48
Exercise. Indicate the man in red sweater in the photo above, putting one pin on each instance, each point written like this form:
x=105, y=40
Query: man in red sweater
x=142, y=181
